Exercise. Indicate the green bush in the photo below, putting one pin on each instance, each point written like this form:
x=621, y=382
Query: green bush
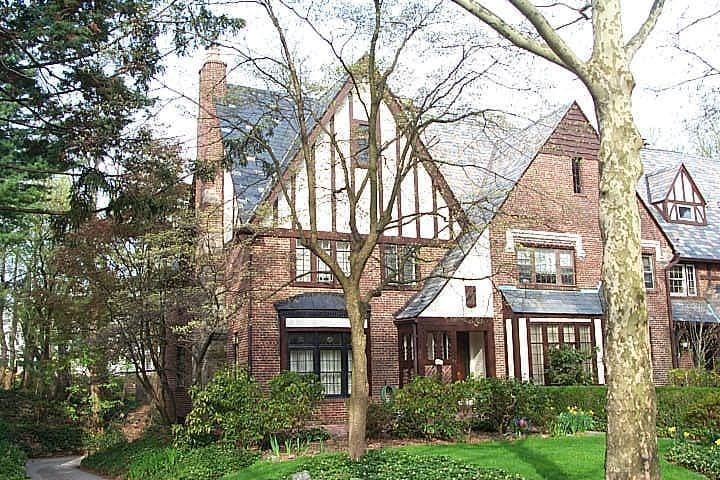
x=566, y=367
x=381, y=420
x=116, y=459
x=676, y=404
x=694, y=377
x=12, y=461
x=497, y=403
x=42, y=440
x=394, y=465
x=427, y=408
x=704, y=459
x=704, y=414
x=232, y=409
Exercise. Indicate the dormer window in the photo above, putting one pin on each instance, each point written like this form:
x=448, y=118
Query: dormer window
x=676, y=196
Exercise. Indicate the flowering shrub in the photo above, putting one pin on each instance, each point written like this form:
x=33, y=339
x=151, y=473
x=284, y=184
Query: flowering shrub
x=572, y=421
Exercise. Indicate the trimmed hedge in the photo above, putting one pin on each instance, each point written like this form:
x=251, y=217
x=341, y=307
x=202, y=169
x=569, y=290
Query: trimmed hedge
x=12, y=461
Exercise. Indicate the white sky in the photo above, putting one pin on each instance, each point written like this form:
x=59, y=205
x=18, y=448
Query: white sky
x=661, y=108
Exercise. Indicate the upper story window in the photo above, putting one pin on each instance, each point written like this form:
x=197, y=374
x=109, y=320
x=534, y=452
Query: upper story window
x=648, y=271
x=360, y=143
x=546, y=266
x=577, y=184
x=682, y=280
x=309, y=268
x=401, y=264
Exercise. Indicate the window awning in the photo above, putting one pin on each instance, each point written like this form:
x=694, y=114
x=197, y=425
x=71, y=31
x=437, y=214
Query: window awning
x=564, y=302
x=697, y=311
x=313, y=301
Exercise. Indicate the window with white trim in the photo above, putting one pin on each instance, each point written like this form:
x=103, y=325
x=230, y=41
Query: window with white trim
x=342, y=252
x=648, y=271
x=545, y=266
x=302, y=263
x=682, y=280
x=324, y=274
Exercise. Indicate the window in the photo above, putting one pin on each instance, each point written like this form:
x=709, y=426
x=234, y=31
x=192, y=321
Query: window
x=682, y=280
x=470, y=296
x=407, y=348
x=577, y=186
x=544, y=337
x=546, y=266
x=400, y=264
x=430, y=346
x=342, y=250
x=361, y=154
x=324, y=274
x=302, y=263
x=326, y=354
x=446, y=346
x=648, y=271
x=684, y=213
x=309, y=268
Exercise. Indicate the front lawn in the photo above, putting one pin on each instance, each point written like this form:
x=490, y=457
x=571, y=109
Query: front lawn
x=535, y=458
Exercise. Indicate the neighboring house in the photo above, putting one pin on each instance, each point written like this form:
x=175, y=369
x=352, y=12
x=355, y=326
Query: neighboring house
x=499, y=262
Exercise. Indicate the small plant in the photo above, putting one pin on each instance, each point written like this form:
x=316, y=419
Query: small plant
x=521, y=425
x=275, y=446
x=572, y=421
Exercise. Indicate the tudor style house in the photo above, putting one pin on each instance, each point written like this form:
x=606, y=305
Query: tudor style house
x=494, y=256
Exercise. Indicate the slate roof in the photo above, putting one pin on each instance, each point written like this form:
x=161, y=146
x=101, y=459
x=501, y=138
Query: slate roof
x=698, y=242
x=440, y=276
x=699, y=311
x=313, y=301
x=274, y=114
x=570, y=302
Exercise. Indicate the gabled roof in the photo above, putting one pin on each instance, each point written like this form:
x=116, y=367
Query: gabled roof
x=660, y=182
x=274, y=113
x=700, y=242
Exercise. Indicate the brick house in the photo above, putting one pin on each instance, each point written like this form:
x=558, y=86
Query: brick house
x=495, y=257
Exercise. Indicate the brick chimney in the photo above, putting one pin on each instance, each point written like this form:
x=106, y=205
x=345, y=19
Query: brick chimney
x=209, y=193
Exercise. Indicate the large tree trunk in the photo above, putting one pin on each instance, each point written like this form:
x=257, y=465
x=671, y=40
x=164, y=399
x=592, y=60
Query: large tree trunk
x=631, y=436
x=358, y=405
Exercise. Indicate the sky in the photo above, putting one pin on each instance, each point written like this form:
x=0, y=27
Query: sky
x=666, y=100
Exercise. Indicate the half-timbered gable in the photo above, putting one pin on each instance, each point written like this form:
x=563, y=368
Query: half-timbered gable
x=674, y=193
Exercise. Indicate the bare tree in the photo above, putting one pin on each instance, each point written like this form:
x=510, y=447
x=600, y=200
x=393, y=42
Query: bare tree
x=631, y=437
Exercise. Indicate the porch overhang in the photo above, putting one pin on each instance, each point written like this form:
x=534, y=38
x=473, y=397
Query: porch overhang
x=694, y=311
x=552, y=302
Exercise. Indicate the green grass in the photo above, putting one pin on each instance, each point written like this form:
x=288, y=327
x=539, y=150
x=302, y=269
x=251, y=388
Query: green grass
x=534, y=458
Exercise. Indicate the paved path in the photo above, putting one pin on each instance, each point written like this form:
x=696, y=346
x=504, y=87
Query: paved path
x=61, y=468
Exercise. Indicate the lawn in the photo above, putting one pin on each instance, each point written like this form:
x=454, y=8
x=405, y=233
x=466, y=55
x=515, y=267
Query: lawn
x=535, y=458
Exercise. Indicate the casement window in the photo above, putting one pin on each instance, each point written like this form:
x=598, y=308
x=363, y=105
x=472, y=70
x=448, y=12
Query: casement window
x=326, y=354
x=360, y=142
x=648, y=271
x=544, y=336
x=309, y=268
x=546, y=266
x=682, y=280
x=401, y=264
x=302, y=263
x=577, y=184
x=408, y=352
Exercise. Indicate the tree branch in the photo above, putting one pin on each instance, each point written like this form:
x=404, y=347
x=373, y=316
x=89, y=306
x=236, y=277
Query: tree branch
x=641, y=35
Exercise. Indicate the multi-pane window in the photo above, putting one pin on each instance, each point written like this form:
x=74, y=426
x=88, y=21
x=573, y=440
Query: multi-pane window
x=309, y=267
x=682, y=280
x=546, y=266
x=577, y=185
x=324, y=274
x=648, y=271
x=408, y=352
x=302, y=263
x=544, y=337
x=326, y=354
x=342, y=250
x=400, y=264
x=361, y=134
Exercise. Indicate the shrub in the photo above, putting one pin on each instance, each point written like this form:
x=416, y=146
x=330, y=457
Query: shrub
x=676, y=403
x=116, y=459
x=395, y=464
x=586, y=398
x=694, y=377
x=381, y=420
x=42, y=440
x=291, y=402
x=497, y=402
x=12, y=461
x=704, y=414
x=204, y=463
x=704, y=459
x=427, y=408
x=232, y=409
x=566, y=367
x=573, y=420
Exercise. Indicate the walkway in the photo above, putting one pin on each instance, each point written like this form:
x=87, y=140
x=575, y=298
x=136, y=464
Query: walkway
x=61, y=468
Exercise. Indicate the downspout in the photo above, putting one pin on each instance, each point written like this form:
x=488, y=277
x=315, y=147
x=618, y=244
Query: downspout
x=671, y=324
x=250, y=318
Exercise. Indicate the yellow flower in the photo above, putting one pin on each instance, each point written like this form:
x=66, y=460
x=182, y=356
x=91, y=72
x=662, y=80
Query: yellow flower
x=672, y=430
x=717, y=442
x=686, y=434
